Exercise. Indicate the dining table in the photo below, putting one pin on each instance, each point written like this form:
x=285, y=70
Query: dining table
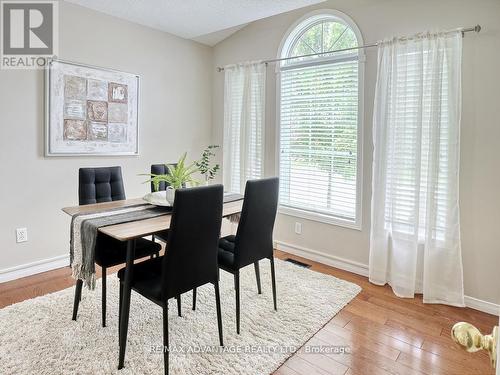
x=130, y=231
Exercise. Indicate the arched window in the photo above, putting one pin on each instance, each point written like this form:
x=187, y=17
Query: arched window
x=320, y=118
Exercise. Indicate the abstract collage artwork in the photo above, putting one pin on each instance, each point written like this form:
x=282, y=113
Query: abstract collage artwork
x=90, y=111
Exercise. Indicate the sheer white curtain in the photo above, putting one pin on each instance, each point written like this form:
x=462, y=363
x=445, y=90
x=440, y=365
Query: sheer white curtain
x=244, y=101
x=415, y=234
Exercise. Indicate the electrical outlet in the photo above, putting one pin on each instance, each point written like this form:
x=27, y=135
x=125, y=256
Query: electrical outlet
x=21, y=235
x=298, y=227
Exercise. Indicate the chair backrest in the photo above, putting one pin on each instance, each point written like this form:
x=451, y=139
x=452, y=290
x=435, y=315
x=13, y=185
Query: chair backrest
x=103, y=184
x=160, y=169
x=191, y=259
x=254, y=237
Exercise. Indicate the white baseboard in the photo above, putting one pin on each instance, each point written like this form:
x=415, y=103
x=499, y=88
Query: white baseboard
x=362, y=269
x=33, y=268
x=484, y=306
x=329, y=260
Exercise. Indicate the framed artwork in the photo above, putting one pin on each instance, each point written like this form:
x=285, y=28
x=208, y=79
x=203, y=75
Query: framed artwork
x=90, y=110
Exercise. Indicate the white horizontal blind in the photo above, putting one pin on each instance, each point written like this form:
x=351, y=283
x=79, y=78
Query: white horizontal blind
x=318, y=138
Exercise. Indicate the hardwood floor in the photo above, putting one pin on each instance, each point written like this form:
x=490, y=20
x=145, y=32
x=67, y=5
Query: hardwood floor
x=384, y=334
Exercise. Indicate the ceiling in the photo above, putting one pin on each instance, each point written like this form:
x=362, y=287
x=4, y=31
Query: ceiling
x=206, y=21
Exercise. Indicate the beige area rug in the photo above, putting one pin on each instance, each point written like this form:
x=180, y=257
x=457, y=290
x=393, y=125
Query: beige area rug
x=37, y=336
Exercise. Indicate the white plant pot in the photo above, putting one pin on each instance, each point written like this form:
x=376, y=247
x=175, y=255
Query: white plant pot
x=170, y=195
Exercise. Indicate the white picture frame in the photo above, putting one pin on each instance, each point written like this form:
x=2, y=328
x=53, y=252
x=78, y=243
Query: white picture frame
x=90, y=111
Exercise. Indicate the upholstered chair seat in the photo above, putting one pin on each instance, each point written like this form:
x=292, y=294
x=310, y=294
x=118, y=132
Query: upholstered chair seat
x=110, y=252
x=226, y=251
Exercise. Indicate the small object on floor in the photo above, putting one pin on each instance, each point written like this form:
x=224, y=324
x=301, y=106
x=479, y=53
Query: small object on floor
x=298, y=263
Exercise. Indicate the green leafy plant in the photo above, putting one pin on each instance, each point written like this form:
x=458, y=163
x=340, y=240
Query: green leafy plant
x=179, y=175
x=204, y=166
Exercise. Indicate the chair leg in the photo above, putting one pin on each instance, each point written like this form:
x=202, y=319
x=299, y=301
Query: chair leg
x=237, y=288
x=104, y=296
x=194, y=299
x=165, y=337
x=273, y=279
x=257, y=275
x=179, y=312
x=219, y=314
x=78, y=297
x=153, y=239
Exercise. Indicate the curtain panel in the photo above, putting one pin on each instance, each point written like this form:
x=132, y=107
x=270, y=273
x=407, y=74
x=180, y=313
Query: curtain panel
x=244, y=116
x=415, y=234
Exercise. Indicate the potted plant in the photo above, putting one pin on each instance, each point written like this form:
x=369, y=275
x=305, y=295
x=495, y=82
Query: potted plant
x=179, y=175
x=206, y=170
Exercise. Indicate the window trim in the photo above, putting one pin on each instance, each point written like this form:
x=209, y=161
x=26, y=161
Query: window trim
x=293, y=32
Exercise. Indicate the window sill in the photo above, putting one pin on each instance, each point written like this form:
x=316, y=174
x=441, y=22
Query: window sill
x=321, y=218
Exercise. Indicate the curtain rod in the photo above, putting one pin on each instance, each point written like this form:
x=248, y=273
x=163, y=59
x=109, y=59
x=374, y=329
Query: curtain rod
x=464, y=30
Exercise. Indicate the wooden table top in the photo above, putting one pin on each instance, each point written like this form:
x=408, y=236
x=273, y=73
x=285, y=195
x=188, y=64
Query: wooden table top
x=140, y=228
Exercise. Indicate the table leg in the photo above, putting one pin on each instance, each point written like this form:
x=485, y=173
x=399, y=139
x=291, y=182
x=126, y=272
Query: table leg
x=125, y=309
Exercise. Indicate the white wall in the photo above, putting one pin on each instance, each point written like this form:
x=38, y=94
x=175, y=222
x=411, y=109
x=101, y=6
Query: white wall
x=480, y=149
x=175, y=116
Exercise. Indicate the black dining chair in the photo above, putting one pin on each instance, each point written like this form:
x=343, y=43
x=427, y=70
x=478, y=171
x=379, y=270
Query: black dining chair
x=254, y=237
x=160, y=169
x=105, y=184
x=190, y=262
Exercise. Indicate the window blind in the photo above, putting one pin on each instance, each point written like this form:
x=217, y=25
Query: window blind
x=318, y=138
